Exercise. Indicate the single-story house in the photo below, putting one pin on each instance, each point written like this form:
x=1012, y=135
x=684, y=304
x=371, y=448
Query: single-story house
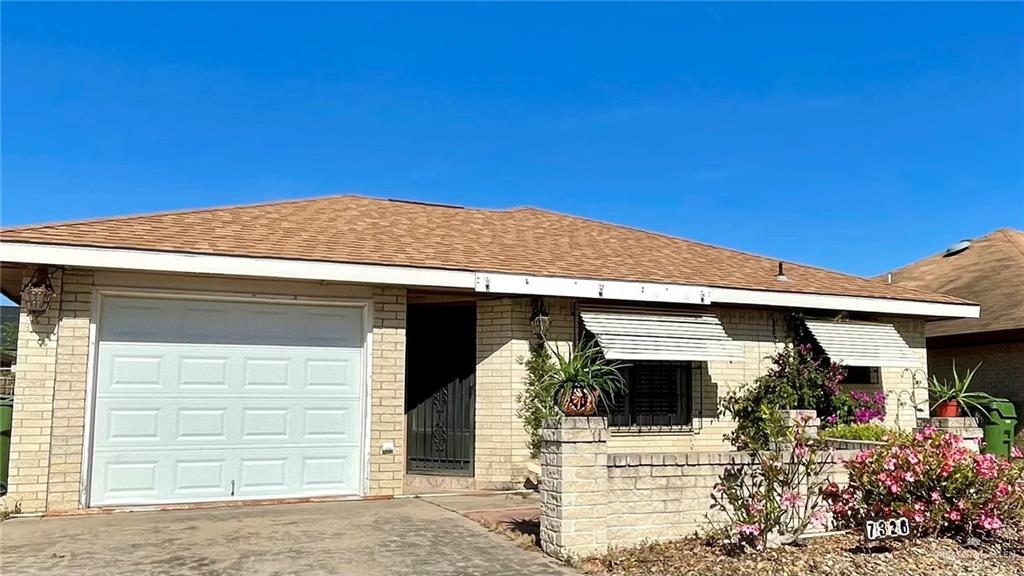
x=990, y=271
x=358, y=346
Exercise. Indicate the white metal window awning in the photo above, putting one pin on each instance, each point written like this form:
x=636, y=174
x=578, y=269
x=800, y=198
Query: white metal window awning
x=872, y=344
x=639, y=334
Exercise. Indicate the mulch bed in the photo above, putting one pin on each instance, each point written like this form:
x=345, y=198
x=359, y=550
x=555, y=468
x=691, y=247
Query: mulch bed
x=841, y=555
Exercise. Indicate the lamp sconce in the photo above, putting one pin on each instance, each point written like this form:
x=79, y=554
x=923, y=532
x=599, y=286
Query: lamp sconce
x=37, y=293
x=540, y=319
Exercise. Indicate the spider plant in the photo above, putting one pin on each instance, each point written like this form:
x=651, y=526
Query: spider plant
x=956, y=392
x=583, y=371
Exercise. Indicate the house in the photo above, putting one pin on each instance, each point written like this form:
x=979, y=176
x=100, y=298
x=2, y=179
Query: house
x=988, y=270
x=359, y=346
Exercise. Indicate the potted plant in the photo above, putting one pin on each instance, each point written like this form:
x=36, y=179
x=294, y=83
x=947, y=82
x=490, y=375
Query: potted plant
x=582, y=379
x=950, y=397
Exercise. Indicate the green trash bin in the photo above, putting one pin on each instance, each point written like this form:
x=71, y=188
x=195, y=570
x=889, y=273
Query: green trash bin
x=1001, y=418
x=6, y=419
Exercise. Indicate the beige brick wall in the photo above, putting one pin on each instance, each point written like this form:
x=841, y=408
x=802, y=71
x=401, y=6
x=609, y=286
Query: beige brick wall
x=1001, y=373
x=633, y=497
x=387, y=394
x=668, y=496
x=574, y=494
x=49, y=408
x=68, y=432
x=503, y=339
x=29, y=473
x=906, y=389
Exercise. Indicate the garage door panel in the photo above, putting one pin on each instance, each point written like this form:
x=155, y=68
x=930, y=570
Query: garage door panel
x=224, y=421
x=197, y=373
x=208, y=410
x=265, y=424
x=169, y=321
x=128, y=369
x=329, y=471
x=201, y=477
x=202, y=424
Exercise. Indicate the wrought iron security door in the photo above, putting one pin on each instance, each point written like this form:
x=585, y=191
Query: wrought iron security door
x=440, y=389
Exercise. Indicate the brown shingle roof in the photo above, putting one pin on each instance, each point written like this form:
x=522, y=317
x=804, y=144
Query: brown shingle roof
x=356, y=229
x=990, y=272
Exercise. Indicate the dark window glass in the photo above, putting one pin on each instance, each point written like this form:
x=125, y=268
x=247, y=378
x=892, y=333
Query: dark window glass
x=859, y=375
x=657, y=395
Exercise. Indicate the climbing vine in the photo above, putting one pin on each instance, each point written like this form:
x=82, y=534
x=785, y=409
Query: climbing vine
x=536, y=402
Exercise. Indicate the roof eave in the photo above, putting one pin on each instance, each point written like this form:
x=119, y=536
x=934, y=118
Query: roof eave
x=480, y=281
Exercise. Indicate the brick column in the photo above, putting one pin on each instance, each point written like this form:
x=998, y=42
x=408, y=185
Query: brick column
x=33, y=403
x=574, y=487
x=387, y=393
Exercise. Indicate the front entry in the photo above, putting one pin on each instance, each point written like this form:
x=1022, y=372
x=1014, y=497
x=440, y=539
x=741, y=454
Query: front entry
x=440, y=391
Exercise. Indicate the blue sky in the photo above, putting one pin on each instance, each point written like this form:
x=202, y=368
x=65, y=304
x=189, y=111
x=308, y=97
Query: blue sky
x=856, y=137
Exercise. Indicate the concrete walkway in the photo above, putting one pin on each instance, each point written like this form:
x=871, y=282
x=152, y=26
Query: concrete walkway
x=405, y=536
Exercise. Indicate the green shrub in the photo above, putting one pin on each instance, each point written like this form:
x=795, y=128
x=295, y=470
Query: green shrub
x=536, y=403
x=869, y=431
x=778, y=497
x=796, y=381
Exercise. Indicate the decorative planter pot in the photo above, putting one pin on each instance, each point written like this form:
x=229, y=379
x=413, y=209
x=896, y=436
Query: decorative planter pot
x=579, y=401
x=947, y=409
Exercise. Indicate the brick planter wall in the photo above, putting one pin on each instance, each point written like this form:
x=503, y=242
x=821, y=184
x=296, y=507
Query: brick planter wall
x=592, y=499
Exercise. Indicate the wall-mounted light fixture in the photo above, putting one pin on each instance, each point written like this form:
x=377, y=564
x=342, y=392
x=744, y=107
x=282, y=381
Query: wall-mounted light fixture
x=37, y=293
x=540, y=319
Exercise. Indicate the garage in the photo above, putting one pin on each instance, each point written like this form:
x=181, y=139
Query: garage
x=207, y=400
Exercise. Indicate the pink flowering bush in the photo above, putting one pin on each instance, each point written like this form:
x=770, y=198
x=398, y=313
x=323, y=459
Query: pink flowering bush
x=931, y=479
x=776, y=497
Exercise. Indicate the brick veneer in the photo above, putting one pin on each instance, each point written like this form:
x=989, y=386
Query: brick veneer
x=503, y=339
x=592, y=499
x=574, y=479
x=68, y=432
x=29, y=473
x=387, y=394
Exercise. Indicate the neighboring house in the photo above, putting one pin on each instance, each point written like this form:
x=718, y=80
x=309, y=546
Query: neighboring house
x=357, y=346
x=989, y=271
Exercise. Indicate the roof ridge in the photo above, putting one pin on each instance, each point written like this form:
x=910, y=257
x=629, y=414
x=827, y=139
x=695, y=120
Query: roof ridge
x=1017, y=243
x=185, y=211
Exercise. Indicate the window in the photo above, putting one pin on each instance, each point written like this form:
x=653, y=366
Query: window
x=860, y=375
x=657, y=395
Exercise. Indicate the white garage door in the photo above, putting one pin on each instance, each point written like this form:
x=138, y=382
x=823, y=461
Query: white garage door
x=215, y=400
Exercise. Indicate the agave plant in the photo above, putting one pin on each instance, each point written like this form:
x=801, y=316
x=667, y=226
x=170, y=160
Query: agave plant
x=955, y=391
x=583, y=378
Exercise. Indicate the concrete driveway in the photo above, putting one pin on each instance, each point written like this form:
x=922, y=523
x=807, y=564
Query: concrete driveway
x=404, y=536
